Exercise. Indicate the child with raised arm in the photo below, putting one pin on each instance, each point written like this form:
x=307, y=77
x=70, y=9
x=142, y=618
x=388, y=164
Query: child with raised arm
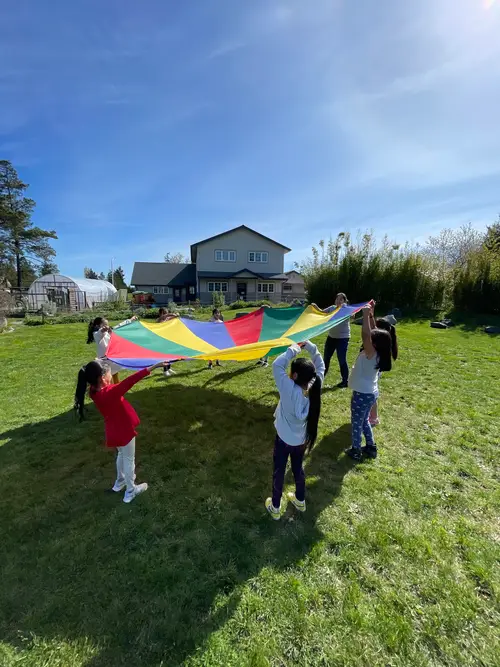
x=386, y=325
x=120, y=419
x=296, y=420
x=99, y=332
x=375, y=356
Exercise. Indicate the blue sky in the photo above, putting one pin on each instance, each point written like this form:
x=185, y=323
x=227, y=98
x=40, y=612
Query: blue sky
x=145, y=126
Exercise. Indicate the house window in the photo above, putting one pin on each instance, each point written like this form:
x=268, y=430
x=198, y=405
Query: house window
x=225, y=255
x=192, y=290
x=217, y=287
x=258, y=257
x=287, y=288
x=265, y=288
x=160, y=290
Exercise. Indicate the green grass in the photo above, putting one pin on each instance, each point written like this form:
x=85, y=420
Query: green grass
x=393, y=564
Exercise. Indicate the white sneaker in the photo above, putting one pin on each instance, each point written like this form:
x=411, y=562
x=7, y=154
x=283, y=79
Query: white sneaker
x=172, y=372
x=265, y=364
x=119, y=486
x=167, y=373
x=137, y=490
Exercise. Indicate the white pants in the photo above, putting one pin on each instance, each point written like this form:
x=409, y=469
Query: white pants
x=125, y=465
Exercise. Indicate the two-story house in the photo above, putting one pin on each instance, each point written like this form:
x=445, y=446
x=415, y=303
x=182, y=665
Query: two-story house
x=240, y=263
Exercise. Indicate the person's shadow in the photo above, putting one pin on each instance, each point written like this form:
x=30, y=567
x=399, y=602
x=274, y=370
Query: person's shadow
x=152, y=580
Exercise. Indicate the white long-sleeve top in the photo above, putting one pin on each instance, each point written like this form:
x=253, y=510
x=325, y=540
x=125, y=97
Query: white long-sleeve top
x=102, y=338
x=290, y=418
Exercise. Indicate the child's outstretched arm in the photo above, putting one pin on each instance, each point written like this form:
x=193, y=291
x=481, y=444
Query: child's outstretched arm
x=125, y=385
x=125, y=322
x=366, y=331
x=316, y=358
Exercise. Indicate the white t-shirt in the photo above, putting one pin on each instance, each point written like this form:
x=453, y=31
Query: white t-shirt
x=290, y=418
x=364, y=374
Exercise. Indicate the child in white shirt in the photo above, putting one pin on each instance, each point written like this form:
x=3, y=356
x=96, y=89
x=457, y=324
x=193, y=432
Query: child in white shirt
x=296, y=420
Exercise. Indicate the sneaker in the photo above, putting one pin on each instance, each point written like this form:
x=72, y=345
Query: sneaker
x=259, y=363
x=370, y=451
x=298, y=504
x=275, y=513
x=167, y=373
x=354, y=453
x=374, y=422
x=172, y=372
x=265, y=364
x=119, y=486
x=342, y=385
x=137, y=490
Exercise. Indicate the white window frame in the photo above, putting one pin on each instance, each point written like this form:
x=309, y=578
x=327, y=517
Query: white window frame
x=158, y=289
x=258, y=257
x=265, y=288
x=212, y=286
x=192, y=290
x=231, y=255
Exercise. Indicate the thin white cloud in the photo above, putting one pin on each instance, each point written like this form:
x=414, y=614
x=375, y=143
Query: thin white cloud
x=225, y=49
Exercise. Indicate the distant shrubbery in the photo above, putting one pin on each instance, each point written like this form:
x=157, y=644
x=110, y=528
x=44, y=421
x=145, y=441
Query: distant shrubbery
x=458, y=269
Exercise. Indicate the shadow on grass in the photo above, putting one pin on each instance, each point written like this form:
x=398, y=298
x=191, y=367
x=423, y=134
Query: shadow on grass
x=151, y=580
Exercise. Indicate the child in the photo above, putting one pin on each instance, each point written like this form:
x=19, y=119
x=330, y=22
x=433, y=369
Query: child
x=374, y=357
x=386, y=325
x=296, y=420
x=164, y=315
x=338, y=341
x=216, y=317
x=120, y=419
x=99, y=332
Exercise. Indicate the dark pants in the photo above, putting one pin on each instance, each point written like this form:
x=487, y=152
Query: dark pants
x=281, y=453
x=340, y=345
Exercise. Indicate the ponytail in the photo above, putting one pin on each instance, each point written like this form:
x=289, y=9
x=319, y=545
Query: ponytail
x=89, y=374
x=394, y=342
x=314, y=412
x=81, y=389
x=93, y=327
x=383, y=323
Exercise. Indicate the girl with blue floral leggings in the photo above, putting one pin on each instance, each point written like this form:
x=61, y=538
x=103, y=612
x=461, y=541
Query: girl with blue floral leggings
x=374, y=357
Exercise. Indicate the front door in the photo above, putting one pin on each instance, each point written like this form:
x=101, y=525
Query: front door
x=241, y=288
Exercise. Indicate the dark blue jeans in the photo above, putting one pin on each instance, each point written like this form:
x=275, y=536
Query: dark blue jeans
x=281, y=453
x=339, y=345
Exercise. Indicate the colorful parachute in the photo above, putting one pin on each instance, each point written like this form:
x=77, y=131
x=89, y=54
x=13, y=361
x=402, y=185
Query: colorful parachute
x=264, y=332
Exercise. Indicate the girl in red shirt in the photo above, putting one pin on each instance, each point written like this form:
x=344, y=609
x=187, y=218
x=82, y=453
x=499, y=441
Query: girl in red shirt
x=120, y=419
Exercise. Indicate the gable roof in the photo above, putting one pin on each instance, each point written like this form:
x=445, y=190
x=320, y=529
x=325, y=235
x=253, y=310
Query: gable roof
x=294, y=277
x=194, y=247
x=163, y=273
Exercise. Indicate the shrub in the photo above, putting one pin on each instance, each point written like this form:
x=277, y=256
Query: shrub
x=218, y=300
x=237, y=305
x=391, y=275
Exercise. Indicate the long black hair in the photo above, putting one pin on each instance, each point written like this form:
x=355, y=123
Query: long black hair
x=89, y=374
x=382, y=323
x=306, y=377
x=381, y=341
x=94, y=326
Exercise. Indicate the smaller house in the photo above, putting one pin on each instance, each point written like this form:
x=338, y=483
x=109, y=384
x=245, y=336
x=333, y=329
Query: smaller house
x=166, y=281
x=294, y=287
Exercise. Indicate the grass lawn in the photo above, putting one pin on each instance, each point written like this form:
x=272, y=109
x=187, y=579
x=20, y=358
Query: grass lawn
x=394, y=562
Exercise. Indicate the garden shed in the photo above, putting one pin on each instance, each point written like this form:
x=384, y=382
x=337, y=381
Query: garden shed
x=69, y=293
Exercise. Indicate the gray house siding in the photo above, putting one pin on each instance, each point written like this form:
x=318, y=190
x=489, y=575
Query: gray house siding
x=242, y=241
